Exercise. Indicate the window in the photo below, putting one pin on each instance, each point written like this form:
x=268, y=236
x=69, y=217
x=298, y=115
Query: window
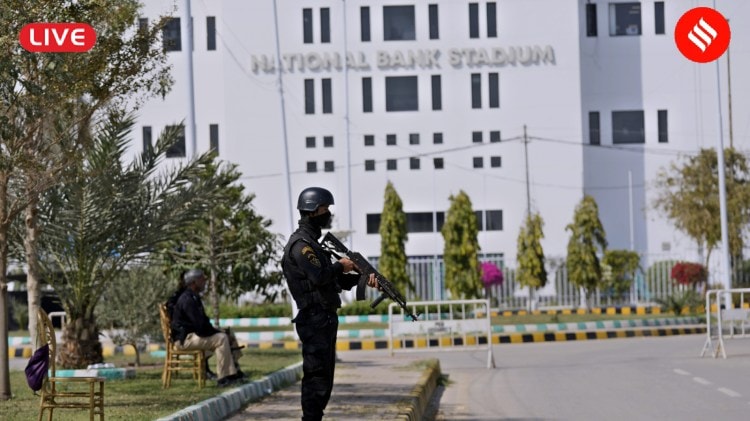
x=440, y=219
x=627, y=127
x=414, y=138
x=325, y=25
x=171, y=35
x=366, y=95
x=494, y=136
x=438, y=163
x=491, y=19
x=210, y=33
x=478, y=162
x=659, y=17
x=419, y=222
x=147, y=141
x=390, y=164
x=414, y=163
x=177, y=149
x=369, y=140
x=310, y=142
x=309, y=96
x=369, y=165
x=496, y=162
x=433, y=18
x=437, y=138
x=312, y=166
x=476, y=137
x=594, y=132
x=143, y=25
x=327, y=141
x=390, y=139
x=213, y=137
x=473, y=20
x=480, y=220
x=437, y=98
x=327, y=101
x=401, y=93
x=591, y=22
x=476, y=90
x=663, y=130
x=373, y=223
x=398, y=23
x=328, y=166
x=494, y=220
x=624, y=19
x=494, y=90
x=364, y=23
x=307, y=29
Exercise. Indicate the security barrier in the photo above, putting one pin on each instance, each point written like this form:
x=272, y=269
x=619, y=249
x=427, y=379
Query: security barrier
x=726, y=309
x=440, y=326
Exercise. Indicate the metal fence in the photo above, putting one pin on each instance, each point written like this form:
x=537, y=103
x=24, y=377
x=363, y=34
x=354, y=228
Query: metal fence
x=651, y=284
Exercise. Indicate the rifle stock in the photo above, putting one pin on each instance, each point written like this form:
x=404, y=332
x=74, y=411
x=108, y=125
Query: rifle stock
x=332, y=244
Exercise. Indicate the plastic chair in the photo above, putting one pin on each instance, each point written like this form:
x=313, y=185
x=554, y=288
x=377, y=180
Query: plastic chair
x=66, y=392
x=174, y=361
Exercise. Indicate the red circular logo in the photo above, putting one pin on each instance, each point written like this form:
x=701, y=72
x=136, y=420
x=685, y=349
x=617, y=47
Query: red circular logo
x=702, y=34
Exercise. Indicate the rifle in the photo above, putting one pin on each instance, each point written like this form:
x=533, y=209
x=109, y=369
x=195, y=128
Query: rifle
x=337, y=248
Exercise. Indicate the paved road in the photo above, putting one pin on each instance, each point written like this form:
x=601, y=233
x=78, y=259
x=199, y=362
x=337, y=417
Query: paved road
x=617, y=379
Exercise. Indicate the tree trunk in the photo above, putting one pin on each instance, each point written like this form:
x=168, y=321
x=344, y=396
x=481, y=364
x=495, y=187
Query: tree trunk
x=4, y=224
x=213, y=287
x=137, y=354
x=32, y=270
x=81, y=346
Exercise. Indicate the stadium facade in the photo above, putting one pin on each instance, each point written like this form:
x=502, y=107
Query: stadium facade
x=521, y=104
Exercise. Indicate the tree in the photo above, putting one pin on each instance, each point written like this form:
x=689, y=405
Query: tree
x=109, y=214
x=392, y=263
x=133, y=319
x=531, y=272
x=689, y=196
x=230, y=241
x=587, y=241
x=460, y=231
x=622, y=266
x=45, y=97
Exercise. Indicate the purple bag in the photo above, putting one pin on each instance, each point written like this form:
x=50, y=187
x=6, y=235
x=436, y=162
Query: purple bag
x=37, y=367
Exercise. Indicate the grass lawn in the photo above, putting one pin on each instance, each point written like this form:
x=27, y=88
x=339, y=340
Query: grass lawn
x=143, y=398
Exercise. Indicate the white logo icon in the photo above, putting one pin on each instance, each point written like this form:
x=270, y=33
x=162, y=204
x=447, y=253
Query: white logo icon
x=703, y=31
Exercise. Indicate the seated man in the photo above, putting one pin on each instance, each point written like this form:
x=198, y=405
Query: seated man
x=192, y=330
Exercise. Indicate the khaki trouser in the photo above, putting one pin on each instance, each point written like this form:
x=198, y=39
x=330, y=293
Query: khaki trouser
x=219, y=344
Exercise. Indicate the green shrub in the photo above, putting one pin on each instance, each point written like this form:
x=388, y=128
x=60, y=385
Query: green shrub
x=357, y=308
x=233, y=311
x=681, y=301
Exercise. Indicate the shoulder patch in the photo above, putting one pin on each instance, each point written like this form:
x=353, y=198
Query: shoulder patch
x=309, y=253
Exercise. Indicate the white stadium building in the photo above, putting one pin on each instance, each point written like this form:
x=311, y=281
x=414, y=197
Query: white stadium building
x=519, y=103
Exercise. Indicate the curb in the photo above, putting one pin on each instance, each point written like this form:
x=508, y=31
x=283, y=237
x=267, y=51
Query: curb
x=229, y=402
x=420, y=396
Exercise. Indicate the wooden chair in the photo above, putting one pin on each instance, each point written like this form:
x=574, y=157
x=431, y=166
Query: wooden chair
x=194, y=362
x=66, y=392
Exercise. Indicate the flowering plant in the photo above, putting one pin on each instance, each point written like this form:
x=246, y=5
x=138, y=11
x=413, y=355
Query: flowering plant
x=491, y=274
x=688, y=273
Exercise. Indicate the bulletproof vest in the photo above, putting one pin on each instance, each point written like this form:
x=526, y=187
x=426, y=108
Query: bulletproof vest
x=303, y=291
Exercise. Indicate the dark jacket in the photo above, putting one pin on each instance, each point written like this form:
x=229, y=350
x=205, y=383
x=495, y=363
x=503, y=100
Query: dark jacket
x=190, y=317
x=312, y=278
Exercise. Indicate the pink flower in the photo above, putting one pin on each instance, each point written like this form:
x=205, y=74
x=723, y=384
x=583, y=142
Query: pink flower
x=491, y=274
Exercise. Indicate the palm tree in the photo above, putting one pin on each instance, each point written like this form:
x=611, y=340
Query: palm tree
x=106, y=215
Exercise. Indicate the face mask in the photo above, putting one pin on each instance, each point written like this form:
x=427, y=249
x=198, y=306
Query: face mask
x=323, y=220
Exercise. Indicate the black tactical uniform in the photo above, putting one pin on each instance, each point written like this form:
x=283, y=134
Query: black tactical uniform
x=315, y=283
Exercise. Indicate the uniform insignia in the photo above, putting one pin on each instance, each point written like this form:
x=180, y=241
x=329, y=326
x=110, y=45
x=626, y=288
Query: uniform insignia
x=308, y=252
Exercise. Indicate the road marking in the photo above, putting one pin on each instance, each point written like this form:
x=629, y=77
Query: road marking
x=729, y=392
x=702, y=381
x=681, y=372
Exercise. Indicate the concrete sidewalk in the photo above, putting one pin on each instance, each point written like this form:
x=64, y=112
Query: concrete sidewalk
x=369, y=385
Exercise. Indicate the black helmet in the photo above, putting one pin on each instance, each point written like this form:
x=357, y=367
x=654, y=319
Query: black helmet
x=313, y=197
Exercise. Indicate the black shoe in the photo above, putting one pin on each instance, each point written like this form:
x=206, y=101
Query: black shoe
x=210, y=375
x=240, y=375
x=226, y=381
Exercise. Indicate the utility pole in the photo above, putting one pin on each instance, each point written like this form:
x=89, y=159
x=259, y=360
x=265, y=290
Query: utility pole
x=190, y=132
x=729, y=95
x=526, y=158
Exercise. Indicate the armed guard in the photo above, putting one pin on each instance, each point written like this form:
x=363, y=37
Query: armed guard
x=315, y=282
